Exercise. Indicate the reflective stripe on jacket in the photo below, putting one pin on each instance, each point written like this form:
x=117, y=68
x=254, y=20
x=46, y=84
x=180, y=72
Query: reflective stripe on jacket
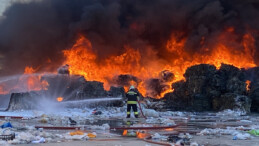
x=132, y=97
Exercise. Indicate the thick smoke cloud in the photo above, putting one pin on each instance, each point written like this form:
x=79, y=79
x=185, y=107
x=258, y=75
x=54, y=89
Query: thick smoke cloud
x=34, y=34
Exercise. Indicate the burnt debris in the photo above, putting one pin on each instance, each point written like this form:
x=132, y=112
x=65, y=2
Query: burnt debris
x=205, y=88
x=209, y=89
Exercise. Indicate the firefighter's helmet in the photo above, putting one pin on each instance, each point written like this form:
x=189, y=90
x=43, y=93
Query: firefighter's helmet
x=132, y=87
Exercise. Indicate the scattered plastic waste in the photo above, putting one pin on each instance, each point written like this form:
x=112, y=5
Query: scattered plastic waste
x=183, y=139
x=6, y=125
x=157, y=136
x=76, y=137
x=72, y=122
x=103, y=127
x=173, y=138
x=41, y=140
x=43, y=120
x=241, y=136
x=96, y=112
x=150, y=113
x=254, y=132
x=194, y=144
x=234, y=138
x=77, y=132
x=131, y=133
x=91, y=135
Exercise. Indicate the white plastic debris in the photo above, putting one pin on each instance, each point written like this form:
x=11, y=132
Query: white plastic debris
x=41, y=140
x=231, y=113
x=3, y=142
x=186, y=135
x=158, y=136
x=22, y=136
x=168, y=122
x=208, y=131
x=76, y=137
x=6, y=131
x=229, y=131
x=194, y=144
x=245, y=121
x=164, y=121
x=103, y=127
x=30, y=127
x=150, y=113
x=242, y=136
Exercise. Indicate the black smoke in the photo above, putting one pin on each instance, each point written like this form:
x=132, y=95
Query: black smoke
x=34, y=34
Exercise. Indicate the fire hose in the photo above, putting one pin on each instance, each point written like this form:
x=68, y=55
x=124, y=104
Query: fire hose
x=141, y=110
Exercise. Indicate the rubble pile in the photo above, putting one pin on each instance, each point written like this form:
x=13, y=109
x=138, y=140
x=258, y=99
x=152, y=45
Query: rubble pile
x=253, y=76
x=70, y=88
x=125, y=80
x=207, y=89
x=156, y=86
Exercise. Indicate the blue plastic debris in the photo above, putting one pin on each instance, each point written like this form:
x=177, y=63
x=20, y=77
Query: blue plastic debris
x=6, y=125
x=234, y=138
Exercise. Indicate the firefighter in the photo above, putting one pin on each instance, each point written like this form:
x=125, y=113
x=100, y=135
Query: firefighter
x=132, y=97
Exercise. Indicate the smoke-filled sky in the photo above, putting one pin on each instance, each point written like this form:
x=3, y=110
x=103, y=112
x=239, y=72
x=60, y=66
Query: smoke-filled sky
x=34, y=32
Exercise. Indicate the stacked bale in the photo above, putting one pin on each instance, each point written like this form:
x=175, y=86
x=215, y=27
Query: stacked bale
x=207, y=88
x=253, y=75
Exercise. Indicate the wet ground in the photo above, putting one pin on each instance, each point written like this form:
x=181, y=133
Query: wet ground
x=227, y=123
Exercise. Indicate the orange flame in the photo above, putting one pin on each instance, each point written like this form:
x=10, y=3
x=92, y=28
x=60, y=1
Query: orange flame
x=142, y=135
x=59, y=99
x=29, y=70
x=34, y=82
x=248, y=85
x=26, y=82
x=83, y=60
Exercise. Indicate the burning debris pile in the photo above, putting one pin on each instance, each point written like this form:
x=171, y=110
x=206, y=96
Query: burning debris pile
x=106, y=46
x=253, y=87
x=124, y=41
x=206, y=88
x=64, y=89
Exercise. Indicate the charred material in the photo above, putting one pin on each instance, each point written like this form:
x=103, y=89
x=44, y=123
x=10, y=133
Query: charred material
x=23, y=101
x=233, y=101
x=64, y=85
x=253, y=76
x=70, y=88
x=206, y=88
x=177, y=100
x=93, y=89
x=166, y=76
x=155, y=87
x=5, y=99
x=125, y=80
x=64, y=69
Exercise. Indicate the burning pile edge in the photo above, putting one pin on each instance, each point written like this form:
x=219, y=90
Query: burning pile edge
x=205, y=88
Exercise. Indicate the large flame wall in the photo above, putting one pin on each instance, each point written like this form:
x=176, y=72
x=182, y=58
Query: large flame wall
x=100, y=39
x=83, y=60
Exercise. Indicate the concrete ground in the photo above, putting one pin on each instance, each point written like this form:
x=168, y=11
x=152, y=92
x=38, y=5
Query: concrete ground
x=224, y=140
x=96, y=142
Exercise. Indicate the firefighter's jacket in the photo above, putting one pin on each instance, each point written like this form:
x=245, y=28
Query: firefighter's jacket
x=132, y=97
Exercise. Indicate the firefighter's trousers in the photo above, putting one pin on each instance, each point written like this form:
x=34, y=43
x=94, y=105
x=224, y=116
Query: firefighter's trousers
x=135, y=109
